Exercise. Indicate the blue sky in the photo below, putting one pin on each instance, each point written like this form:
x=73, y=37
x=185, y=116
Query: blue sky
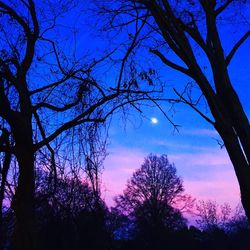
x=205, y=167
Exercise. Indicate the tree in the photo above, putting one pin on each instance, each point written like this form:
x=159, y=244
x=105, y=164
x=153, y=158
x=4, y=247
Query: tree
x=118, y=224
x=222, y=226
x=46, y=90
x=177, y=32
x=70, y=198
x=150, y=197
x=70, y=217
x=4, y=168
x=212, y=217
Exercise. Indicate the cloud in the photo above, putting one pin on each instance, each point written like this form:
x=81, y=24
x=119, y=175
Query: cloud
x=222, y=189
x=187, y=146
x=209, y=158
x=206, y=174
x=200, y=132
x=118, y=168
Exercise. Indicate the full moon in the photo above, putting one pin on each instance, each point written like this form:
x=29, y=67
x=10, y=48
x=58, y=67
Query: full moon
x=154, y=120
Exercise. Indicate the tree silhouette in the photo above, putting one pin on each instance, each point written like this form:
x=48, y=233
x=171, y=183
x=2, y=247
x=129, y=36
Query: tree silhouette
x=4, y=169
x=149, y=199
x=211, y=216
x=70, y=218
x=178, y=33
x=46, y=90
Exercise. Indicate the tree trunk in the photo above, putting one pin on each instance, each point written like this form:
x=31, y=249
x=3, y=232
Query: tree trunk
x=4, y=173
x=231, y=121
x=23, y=204
x=234, y=129
x=239, y=162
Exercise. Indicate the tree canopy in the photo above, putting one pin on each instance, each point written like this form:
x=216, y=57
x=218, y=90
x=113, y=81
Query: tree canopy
x=152, y=191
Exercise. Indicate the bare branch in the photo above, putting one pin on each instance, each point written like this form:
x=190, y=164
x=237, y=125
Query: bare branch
x=57, y=108
x=193, y=107
x=31, y=40
x=83, y=117
x=236, y=47
x=223, y=7
x=52, y=85
x=6, y=72
x=53, y=163
x=129, y=50
x=56, y=54
x=170, y=63
x=165, y=114
x=34, y=17
x=14, y=15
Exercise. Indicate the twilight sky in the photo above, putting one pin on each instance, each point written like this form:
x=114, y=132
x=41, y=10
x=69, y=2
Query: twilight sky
x=205, y=167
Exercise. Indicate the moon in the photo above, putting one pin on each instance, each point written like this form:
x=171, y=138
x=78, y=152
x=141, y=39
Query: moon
x=154, y=120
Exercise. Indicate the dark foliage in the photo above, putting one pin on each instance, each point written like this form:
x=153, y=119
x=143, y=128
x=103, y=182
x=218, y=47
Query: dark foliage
x=148, y=201
x=73, y=218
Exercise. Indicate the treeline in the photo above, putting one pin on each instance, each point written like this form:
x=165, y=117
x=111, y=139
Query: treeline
x=148, y=215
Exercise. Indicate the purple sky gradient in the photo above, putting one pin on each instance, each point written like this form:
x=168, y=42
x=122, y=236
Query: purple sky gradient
x=204, y=167
x=207, y=171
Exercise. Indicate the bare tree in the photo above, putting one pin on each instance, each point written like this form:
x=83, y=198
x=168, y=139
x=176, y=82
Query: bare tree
x=238, y=222
x=94, y=152
x=44, y=92
x=177, y=33
x=212, y=216
x=152, y=192
x=149, y=201
x=71, y=197
x=72, y=211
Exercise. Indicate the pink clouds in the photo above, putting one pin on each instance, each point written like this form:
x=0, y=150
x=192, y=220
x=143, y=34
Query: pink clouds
x=119, y=167
x=220, y=190
x=206, y=174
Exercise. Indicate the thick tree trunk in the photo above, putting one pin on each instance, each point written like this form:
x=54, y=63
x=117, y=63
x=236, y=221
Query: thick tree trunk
x=231, y=121
x=4, y=173
x=232, y=125
x=240, y=163
x=235, y=132
x=23, y=203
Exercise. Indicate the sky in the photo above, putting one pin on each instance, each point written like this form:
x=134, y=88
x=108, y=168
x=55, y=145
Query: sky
x=204, y=166
x=195, y=150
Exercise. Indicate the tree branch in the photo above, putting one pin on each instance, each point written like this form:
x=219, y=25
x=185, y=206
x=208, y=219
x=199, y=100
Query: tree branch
x=15, y=16
x=51, y=85
x=31, y=40
x=129, y=50
x=236, y=47
x=76, y=121
x=193, y=107
x=53, y=163
x=170, y=63
x=164, y=113
x=223, y=7
x=59, y=109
